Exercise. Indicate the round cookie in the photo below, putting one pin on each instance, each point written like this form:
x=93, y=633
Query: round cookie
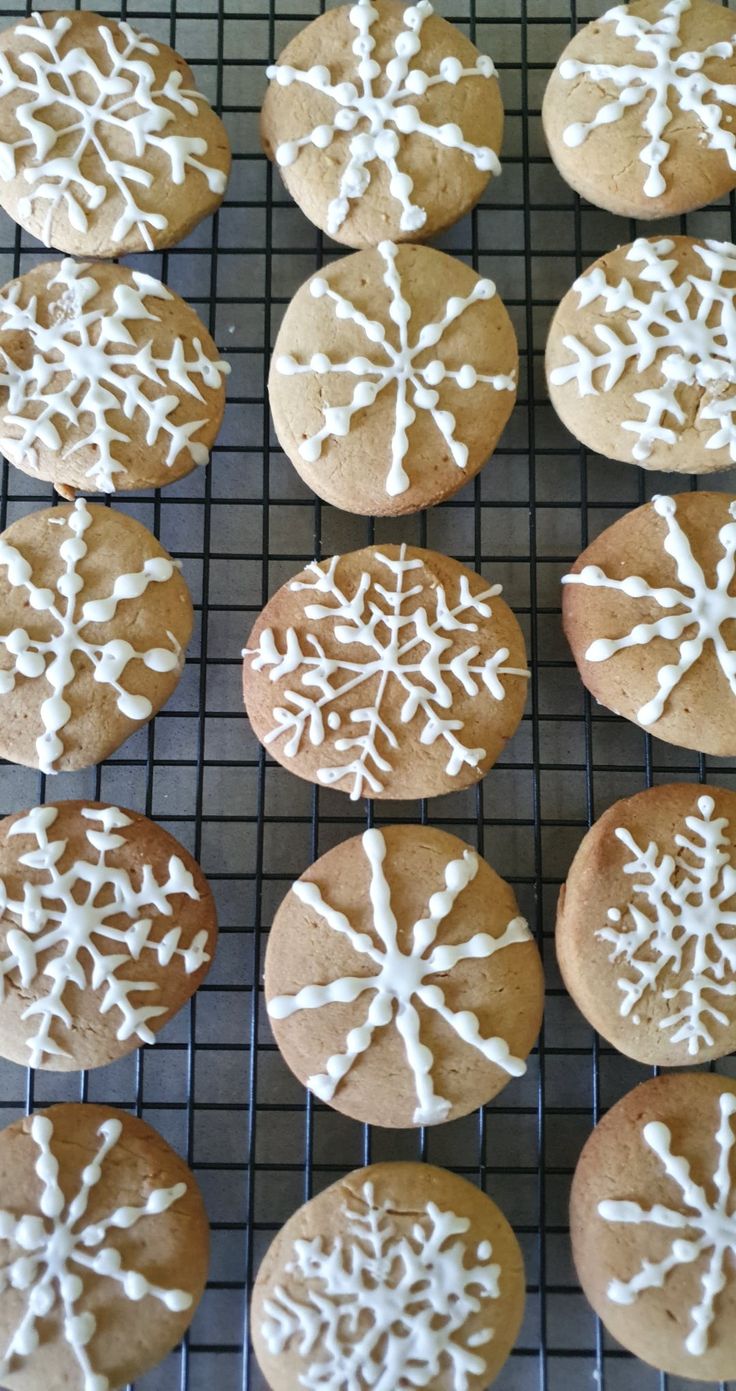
x=393, y=376
x=107, y=927
x=106, y=147
x=404, y=679
x=640, y=355
x=95, y=620
x=108, y=381
x=646, y=927
x=385, y=121
x=427, y=1266
x=639, y=111
x=653, y=1224
x=402, y=985
x=105, y=1249
x=649, y=611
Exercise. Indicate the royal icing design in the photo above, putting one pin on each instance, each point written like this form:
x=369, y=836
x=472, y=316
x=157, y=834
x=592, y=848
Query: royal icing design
x=383, y=1308
x=398, y=371
x=704, y=609
x=403, y=980
x=54, y=659
x=86, y=367
x=49, y=1251
x=706, y=1227
x=381, y=107
x=83, y=927
x=100, y=105
x=688, y=331
x=669, y=81
x=419, y=650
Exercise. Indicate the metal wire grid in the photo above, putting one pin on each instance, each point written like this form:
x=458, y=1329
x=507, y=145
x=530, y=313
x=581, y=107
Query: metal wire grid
x=214, y=1084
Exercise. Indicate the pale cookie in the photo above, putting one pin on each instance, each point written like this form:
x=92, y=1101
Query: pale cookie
x=388, y=672
x=649, y=612
x=103, y=1249
x=385, y=121
x=107, y=927
x=95, y=621
x=108, y=381
x=653, y=1224
x=640, y=355
x=639, y=111
x=398, y=1275
x=646, y=925
x=106, y=147
x=393, y=375
x=401, y=983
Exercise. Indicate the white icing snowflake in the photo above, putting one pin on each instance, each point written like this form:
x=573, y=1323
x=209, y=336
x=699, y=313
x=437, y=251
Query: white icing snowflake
x=705, y=608
x=402, y=980
x=672, y=76
x=88, y=905
x=412, y=649
x=54, y=659
x=707, y=1227
x=380, y=1308
x=85, y=366
x=386, y=116
x=97, y=110
x=398, y=370
x=687, y=330
x=54, y=1250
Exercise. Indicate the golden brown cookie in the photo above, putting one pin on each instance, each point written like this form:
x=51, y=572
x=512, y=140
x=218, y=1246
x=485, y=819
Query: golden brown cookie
x=108, y=381
x=653, y=1224
x=106, y=146
x=399, y=1274
x=640, y=355
x=401, y=983
x=107, y=926
x=95, y=620
x=639, y=111
x=388, y=672
x=104, y=1243
x=393, y=375
x=384, y=120
x=649, y=610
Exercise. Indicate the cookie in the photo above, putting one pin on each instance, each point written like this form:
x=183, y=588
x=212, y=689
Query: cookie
x=105, y=1249
x=640, y=355
x=107, y=927
x=385, y=121
x=106, y=147
x=404, y=679
x=648, y=611
x=639, y=111
x=398, y=1275
x=95, y=620
x=393, y=376
x=653, y=1224
x=108, y=381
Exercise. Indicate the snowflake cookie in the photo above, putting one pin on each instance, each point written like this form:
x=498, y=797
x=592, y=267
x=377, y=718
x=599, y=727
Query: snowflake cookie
x=387, y=672
x=107, y=379
x=102, y=1233
x=95, y=620
x=384, y=120
x=649, y=612
x=400, y=954
x=653, y=1223
x=398, y=1275
x=107, y=926
x=639, y=111
x=393, y=375
x=101, y=129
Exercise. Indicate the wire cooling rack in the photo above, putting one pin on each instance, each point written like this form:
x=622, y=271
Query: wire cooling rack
x=215, y=1085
